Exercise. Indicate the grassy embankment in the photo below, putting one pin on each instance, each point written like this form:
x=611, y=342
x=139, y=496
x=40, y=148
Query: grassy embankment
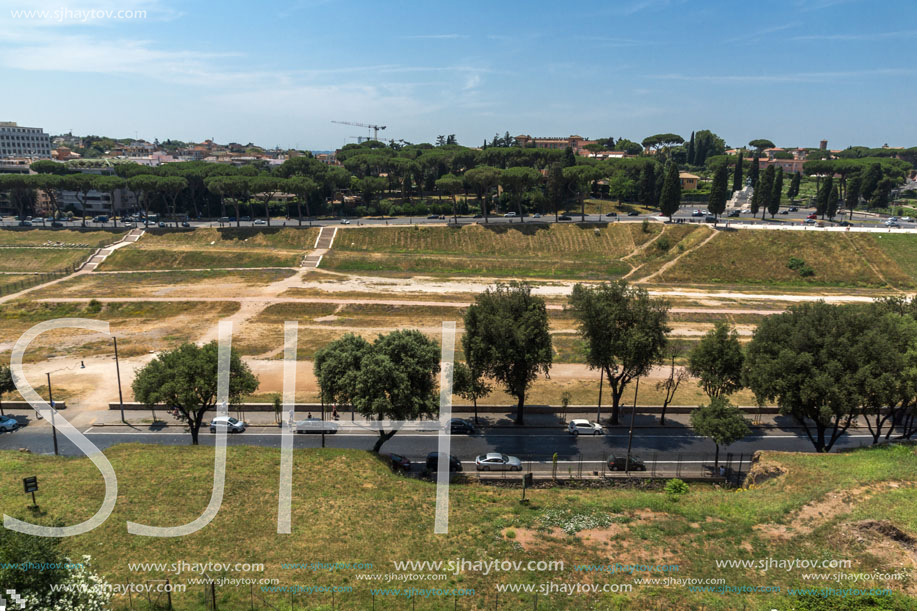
x=347, y=507
x=215, y=248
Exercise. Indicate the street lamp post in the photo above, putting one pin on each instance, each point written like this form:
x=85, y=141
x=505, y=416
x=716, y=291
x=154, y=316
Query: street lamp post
x=51, y=402
x=630, y=434
x=118, y=374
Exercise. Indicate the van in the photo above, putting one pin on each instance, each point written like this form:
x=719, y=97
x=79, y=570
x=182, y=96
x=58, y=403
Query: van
x=433, y=462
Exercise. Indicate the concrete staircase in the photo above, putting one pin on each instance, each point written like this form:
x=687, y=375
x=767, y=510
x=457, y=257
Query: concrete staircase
x=322, y=246
x=100, y=255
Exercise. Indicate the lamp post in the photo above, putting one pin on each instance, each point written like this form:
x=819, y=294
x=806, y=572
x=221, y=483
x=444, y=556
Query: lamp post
x=118, y=374
x=630, y=434
x=51, y=402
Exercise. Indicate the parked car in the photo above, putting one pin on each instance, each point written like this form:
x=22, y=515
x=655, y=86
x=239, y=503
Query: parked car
x=891, y=223
x=710, y=218
x=793, y=209
x=785, y=211
x=316, y=425
x=746, y=210
x=585, y=427
x=260, y=222
x=845, y=224
x=564, y=217
x=619, y=463
x=536, y=215
x=461, y=426
x=56, y=224
x=8, y=424
x=509, y=215
x=494, y=461
x=224, y=219
x=345, y=222
x=697, y=213
x=127, y=224
x=733, y=214
x=810, y=221
x=892, y=218
x=478, y=216
x=185, y=224
x=397, y=462
x=633, y=213
x=25, y=223
x=433, y=462
x=231, y=424
x=812, y=216
x=100, y=219
x=245, y=218
x=907, y=219
x=432, y=216
x=611, y=214
x=163, y=224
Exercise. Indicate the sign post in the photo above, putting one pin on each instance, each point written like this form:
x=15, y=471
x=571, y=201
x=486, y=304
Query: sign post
x=30, y=484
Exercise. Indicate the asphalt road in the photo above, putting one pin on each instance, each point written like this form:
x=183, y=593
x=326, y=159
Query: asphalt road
x=527, y=443
x=685, y=212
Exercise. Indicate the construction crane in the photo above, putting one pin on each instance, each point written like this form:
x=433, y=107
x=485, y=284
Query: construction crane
x=368, y=127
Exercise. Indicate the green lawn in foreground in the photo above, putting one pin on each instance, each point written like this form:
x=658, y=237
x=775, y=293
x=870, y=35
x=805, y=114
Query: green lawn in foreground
x=152, y=259
x=347, y=507
x=91, y=238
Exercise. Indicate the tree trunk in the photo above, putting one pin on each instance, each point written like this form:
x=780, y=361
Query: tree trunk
x=299, y=211
x=383, y=437
x=716, y=459
x=616, y=391
x=520, y=407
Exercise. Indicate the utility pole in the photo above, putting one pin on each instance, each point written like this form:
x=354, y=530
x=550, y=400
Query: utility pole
x=630, y=434
x=51, y=402
x=118, y=374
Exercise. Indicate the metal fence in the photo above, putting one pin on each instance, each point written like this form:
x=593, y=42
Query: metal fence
x=36, y=279
x=731, y=468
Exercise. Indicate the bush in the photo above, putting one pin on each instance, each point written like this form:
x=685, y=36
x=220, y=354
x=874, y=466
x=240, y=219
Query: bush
x=645, y=226
x=663, y=244
x=674, y=488
x=800, y=266
x=94, y=306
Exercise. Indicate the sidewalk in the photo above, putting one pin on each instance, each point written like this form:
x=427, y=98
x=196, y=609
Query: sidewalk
x=485, y=420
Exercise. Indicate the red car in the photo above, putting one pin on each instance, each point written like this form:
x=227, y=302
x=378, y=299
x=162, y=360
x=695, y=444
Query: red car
x=812, y=216
x=398, y=462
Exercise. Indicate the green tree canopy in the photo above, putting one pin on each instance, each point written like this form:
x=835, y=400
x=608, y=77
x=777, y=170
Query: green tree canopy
x=670, y=198
x=508, y=338
x=721, y=422
x=717, y=361
x=624, y=330
x=186, y=378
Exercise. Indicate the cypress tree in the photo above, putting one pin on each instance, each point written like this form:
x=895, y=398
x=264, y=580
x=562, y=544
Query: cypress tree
x=753, y=171
x=764, y=189
x=773, y=204
x=648, y=185
x=670, y=198
x=821, y=198
x=737, y=175
x=717, y=203
x=691, y=153
x=833, y=198
x=794, y=186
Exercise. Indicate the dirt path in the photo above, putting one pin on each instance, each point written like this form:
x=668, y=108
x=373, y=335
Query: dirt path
x=669, y=264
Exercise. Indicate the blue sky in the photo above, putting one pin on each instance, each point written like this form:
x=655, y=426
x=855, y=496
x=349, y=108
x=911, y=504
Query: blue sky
x=278, y=73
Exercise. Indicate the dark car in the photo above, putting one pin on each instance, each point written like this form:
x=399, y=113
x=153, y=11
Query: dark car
x=56, y=224
x=733, y=214
x=246, y=218
x=478, y=216
x=185, y=224
x=611, y=214
x=564, y=217
x=433, y=462
x=710, y=218
x=618, y=463
x=633, y=213
x=785, y=211
x=432, y=216
x=461, y=426
x=845, y=224
x=397, y=462
x=793, y=209
x=25, y=223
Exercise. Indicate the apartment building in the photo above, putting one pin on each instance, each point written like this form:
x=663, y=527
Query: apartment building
x=16, y=141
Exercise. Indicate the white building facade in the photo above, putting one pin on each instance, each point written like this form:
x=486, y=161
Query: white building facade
x=19, y=142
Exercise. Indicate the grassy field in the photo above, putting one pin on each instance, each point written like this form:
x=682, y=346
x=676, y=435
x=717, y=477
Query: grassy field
x=141, y=327
x=215, y=248
x=520, y=250
x=176, y=283
x=347, y=507
x=762, y=257
x=39, y=237
x=41, y=259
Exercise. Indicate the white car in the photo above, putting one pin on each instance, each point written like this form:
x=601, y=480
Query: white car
x=494, y=461
x=8, y=424
x=260, y=222
x=345, y=222
x=509, y=215
x=746, y=211
x=316, y=425
x=232, y=425
x=891, y=223
x=907, y=219
x=585, y=427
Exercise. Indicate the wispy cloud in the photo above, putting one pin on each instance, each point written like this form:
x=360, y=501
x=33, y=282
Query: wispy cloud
x=798, y=77
x=436, y=37
x=761, y=33
x=859, y=36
